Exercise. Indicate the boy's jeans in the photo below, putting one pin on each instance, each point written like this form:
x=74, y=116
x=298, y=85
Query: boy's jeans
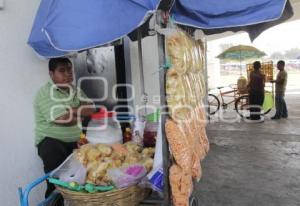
x=281, y=110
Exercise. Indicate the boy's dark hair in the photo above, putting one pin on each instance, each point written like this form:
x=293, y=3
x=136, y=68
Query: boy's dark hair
x=256, y=65
x=281, y=62
x=54, y=62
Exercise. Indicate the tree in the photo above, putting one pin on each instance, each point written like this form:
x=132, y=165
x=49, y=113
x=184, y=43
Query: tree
x=292, y=53
x=277, y=55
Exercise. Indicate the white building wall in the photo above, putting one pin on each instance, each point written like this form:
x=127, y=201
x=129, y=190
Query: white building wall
x=21, y=74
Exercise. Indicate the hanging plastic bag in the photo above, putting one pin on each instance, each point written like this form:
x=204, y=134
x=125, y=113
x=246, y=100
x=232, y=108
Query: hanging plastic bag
x=179, y=145
x=156, y=179
x=158, y=157
x=181, y=185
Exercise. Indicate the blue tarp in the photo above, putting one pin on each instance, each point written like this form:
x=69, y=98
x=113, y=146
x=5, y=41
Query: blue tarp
x=63, y=26
x=209, y=14
x=72, y=25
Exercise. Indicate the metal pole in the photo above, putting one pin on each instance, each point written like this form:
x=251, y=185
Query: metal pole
x=166, y=154
x=141, y=66
x=206, y=76
x=240, y=62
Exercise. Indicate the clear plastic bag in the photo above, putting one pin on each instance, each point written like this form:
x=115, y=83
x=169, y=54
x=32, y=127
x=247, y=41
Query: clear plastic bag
x=71, y=170
x=181, y=185
x=127, y=176
x=179, y=145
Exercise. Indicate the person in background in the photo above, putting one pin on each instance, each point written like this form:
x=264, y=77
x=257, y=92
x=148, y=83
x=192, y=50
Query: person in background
x=58, y=108
x=280, y=86
x=256, y=87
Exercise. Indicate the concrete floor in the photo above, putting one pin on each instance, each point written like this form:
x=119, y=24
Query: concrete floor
x=253, y=164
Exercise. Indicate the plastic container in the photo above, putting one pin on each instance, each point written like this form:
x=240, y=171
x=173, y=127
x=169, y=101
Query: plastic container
x=104, y=128
x=150, y=131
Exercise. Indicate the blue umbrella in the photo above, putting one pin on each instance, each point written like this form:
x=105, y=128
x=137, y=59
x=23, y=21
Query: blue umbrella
x=73, y=25
x=63, y=26
x=209, y=14
x=37, y=39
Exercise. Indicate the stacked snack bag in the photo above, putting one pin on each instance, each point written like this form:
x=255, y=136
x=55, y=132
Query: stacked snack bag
x=185, y=129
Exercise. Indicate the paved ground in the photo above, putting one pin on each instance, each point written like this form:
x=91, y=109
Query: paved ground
x=253, y=164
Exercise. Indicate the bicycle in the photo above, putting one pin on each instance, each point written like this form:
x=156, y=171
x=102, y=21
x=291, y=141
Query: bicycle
x=214, y=102
x=240, y=100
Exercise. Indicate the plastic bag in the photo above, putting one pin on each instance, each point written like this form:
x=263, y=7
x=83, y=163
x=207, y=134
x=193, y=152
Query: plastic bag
x=181, y=185
x=179, y=145
x=71, y=170
x=138, y=131
x=268, y=101
x=127, y=176
x=155, y=179
x=158, y=156
x=198, y=152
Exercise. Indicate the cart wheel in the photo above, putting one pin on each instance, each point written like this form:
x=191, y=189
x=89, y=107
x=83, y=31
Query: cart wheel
x=213, y=104
x=242, y=106
x=194, y=201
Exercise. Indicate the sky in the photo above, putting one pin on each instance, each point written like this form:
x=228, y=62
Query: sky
x=279, y=38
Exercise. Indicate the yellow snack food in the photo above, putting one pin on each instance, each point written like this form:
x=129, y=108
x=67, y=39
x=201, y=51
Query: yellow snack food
x=104, y=149
x=133, y=147
x=93, y=154
x=148, y=152
x=133, y=158
x=147, y=163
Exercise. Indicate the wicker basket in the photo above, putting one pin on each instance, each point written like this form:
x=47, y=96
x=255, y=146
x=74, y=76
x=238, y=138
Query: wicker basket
x=131, y=196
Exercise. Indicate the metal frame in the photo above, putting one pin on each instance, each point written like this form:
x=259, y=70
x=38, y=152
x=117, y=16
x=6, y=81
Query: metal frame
x=166, y=153
x=24, y=194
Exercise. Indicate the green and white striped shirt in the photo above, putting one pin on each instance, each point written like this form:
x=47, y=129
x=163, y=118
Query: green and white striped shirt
x=51, y=103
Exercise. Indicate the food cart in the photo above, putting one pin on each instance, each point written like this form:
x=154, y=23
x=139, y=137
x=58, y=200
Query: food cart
x=59, y=47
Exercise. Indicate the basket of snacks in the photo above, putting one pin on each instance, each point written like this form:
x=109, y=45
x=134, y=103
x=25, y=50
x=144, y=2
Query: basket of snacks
x=99, y=174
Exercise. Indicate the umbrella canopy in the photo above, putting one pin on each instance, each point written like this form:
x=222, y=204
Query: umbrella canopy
x=71, y=25
x=67, y=26
x=37, y=39
x=241, y=53
x=209, y=14
x=254, y=30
